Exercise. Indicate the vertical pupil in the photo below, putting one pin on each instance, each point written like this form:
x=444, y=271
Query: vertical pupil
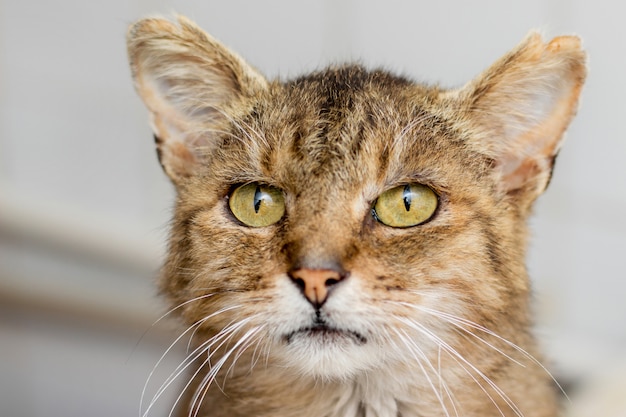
x=258, y=198
x=406, y=196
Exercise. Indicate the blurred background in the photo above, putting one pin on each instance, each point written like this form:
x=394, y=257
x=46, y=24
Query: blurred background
x=84, y=205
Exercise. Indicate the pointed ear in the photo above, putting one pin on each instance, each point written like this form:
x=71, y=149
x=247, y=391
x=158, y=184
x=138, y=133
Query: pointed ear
x=189, y=82
x=522, y=105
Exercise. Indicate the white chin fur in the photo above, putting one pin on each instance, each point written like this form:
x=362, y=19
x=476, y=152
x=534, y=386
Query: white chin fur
x=328, y=360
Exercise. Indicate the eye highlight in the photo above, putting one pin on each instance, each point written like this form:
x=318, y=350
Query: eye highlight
x=406, y=205
x=257, y=205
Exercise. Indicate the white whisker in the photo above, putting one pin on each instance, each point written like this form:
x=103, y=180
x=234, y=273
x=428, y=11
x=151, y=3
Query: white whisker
x=459, y=321
x=417, y=352
x=425, y=331
x=201, y=393
x=256, y=354
x=168, y=382
x=453, y=320
x=223, y=337
x=157, y=321
x=154, y=368
x=241, y=350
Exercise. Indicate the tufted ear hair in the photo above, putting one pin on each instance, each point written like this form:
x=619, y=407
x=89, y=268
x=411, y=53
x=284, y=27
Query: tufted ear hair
x=522, y=105
x=190, y=83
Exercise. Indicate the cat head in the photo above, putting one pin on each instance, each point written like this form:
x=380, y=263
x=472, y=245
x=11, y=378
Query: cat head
x=339, y=217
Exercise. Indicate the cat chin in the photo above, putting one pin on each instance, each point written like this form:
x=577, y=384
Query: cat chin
x=335, y=355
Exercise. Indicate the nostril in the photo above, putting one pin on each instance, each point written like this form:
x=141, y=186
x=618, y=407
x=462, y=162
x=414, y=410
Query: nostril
x=299, y=283
x=331, y=281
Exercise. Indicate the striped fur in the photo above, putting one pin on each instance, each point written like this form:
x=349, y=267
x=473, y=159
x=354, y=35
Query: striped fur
x=432, y=320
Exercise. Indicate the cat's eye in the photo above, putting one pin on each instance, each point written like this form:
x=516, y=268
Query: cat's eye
x=257, y=205
x=405, y=206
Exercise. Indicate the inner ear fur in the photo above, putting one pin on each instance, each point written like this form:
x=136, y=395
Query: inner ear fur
x=190, y=83
x=522, y=105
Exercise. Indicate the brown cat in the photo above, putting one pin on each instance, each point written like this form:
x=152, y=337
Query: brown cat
x=350, y=243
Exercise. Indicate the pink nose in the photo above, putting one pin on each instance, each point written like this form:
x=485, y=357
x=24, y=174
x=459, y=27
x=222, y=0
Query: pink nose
x=315, y=283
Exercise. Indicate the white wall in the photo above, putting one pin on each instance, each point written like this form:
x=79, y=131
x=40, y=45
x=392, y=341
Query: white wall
x=77, y=166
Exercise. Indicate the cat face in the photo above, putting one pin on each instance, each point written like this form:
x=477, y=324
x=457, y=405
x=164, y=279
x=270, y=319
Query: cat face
x=331, y=165
x=351, y=221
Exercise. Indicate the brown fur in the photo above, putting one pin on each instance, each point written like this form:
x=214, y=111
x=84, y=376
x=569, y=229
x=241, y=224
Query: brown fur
x=434, y=319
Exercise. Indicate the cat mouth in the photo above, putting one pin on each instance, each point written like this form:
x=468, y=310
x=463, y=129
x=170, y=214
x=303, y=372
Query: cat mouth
x=326, y=334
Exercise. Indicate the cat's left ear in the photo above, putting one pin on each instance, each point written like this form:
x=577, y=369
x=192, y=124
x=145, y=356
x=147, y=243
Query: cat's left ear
x=191, y=84
x=522, y=105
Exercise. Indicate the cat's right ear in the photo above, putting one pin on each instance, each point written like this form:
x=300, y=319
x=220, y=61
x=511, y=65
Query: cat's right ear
x=190, y=83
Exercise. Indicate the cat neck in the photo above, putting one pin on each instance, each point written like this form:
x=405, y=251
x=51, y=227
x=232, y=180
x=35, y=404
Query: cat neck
x=276, y=391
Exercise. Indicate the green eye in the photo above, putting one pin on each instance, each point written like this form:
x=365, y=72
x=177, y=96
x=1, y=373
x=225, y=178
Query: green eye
x=257, y=205
x=406, y=205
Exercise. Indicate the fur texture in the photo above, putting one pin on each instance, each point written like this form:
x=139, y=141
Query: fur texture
x=430, y=320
